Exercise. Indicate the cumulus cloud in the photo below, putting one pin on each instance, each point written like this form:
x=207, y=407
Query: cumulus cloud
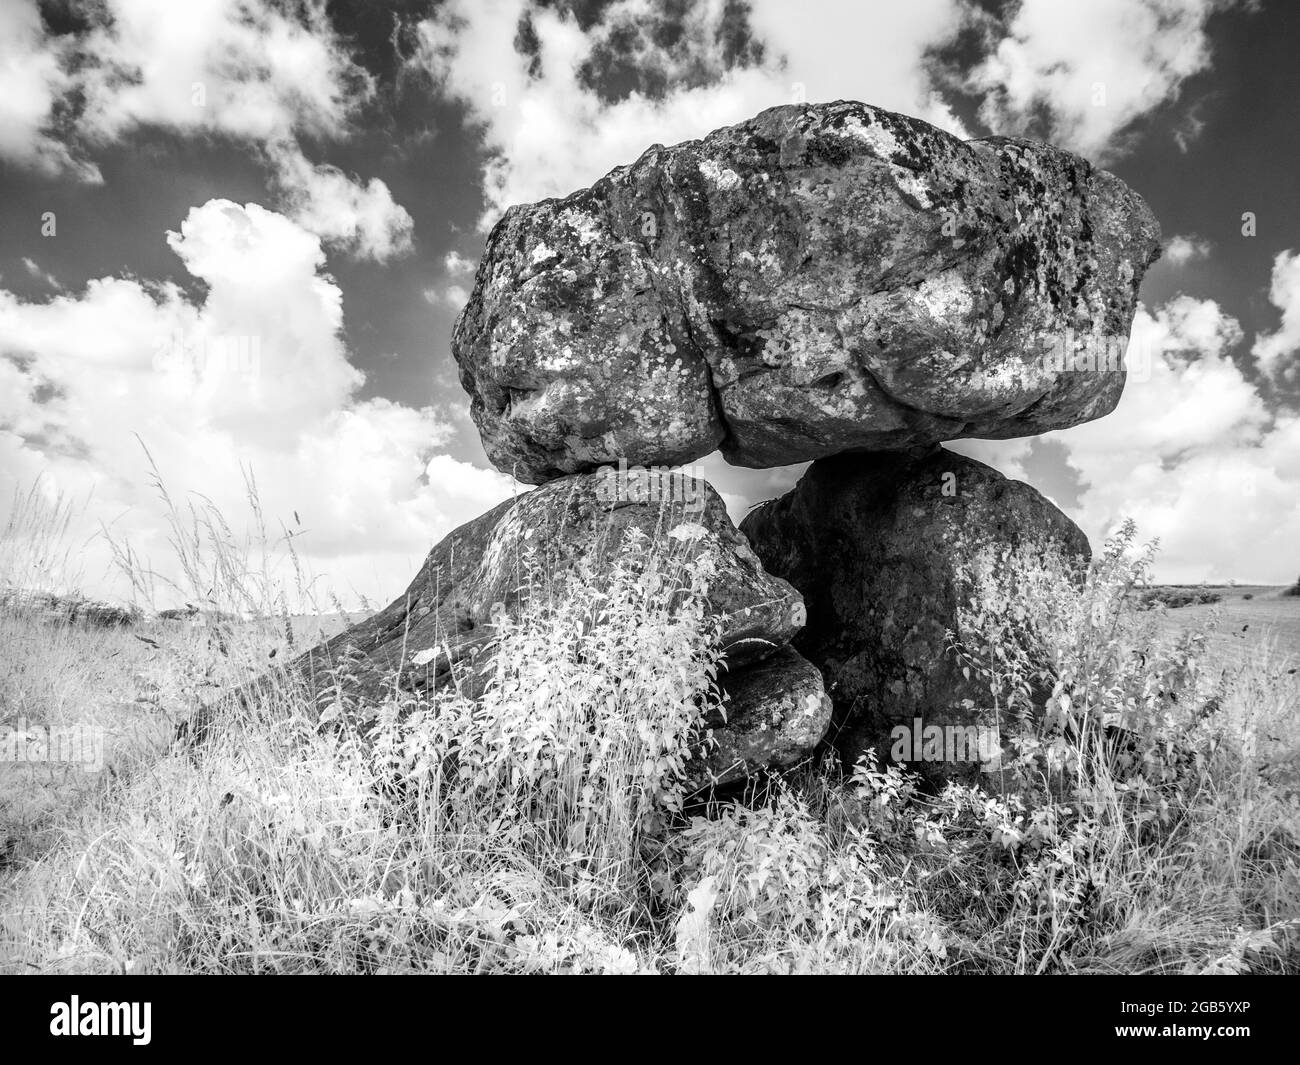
x=247, y=70
x=1080, y=74
x=252, y=376
x=1276, y=352
x=1185, y=248
x=561, y=97
x=242, y=68
x=453, y=293
x=452, y=296
x=1192, y=453
x=457, y=265
x=559, y=104
x=876, y=52
x=361, y=218
x=560, y=100
x=32, y=80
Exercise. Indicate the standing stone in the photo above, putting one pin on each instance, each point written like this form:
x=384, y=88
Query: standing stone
x=441, y=628
x=527, y=546
x=869, y=541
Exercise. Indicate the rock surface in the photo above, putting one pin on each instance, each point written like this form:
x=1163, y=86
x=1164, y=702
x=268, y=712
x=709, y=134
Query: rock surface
x=531, y=542
x=777, y=711
x=820, y=278
x=869, y=540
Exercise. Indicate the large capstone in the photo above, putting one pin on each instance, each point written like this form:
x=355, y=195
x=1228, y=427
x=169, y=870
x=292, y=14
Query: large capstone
x=819, y=279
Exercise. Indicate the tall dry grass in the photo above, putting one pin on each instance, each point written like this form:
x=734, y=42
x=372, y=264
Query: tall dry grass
x=1147, y=822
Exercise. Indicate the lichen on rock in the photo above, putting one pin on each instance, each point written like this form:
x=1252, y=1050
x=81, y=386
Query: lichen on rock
x=818, y=279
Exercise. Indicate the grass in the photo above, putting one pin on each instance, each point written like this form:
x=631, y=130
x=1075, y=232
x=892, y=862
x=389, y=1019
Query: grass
x=1147, y=821
x=1251, y=623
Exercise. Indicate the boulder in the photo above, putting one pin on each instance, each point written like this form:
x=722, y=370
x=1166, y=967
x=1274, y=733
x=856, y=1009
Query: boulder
x=526, y=546
x=818, y=279
x=529, y=544
x=776, y=712
x=870, y=541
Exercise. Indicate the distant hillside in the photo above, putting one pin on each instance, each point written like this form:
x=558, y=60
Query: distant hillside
x=1254, y=623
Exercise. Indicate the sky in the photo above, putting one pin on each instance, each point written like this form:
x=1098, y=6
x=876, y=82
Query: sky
x=235, y=236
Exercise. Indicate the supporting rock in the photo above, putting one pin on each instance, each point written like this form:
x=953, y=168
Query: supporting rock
x=441, y=628
x=527, y=546
x=777, y=712
x=869, y=541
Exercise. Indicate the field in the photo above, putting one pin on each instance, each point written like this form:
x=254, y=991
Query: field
x=131, y=686
x=1249, y=624
x=562, y=840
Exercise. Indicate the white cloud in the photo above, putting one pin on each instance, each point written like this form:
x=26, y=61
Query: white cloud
x=1092, y=67
x=1277, y=352
x=324, y=200
x=246, y=70
x=457, y=265
x=547, y=133
x=876, y=52
x=242, y=69
x=253, y=375
x=1185, y=394
x=1192, y=454
x=1007, y=456
x=1185, y=248
x=238, y=68
x=33, y=269
x=32, y=80
x=453, y=296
